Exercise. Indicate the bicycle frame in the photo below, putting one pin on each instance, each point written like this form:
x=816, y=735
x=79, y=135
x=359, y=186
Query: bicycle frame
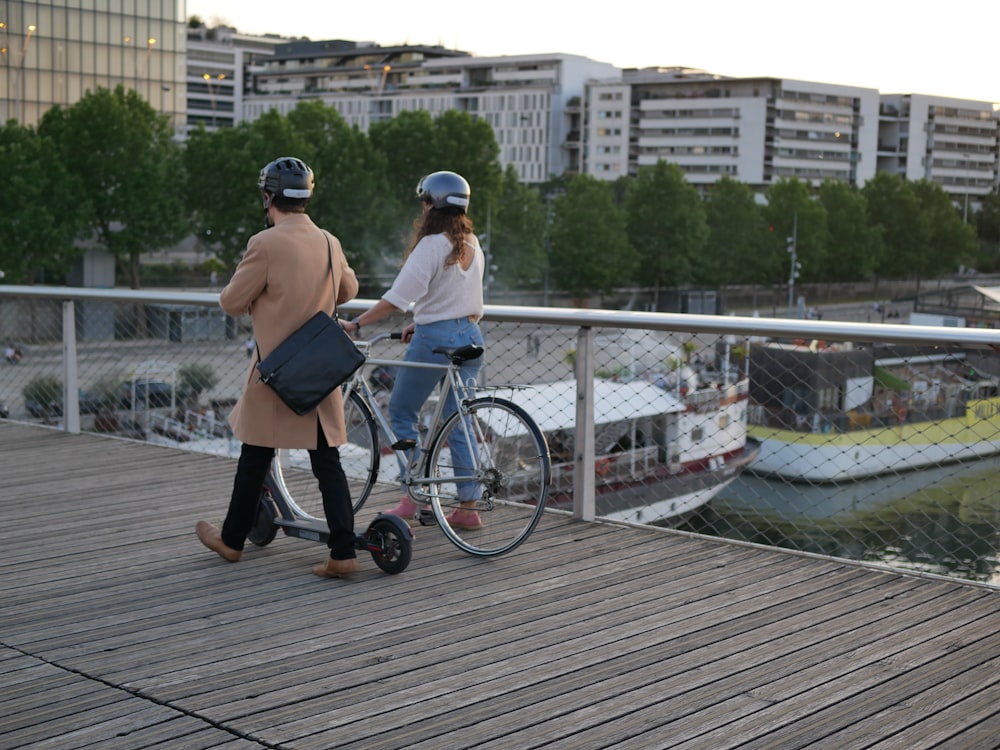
x=483, y=470
x=412, y=457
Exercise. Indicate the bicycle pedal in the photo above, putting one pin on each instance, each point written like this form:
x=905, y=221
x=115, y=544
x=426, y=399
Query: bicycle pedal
x=426, y=517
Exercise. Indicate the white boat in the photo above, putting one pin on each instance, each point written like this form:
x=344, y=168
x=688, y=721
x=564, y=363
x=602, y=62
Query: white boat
x=828, y=414
x=662, y=451
x=660, y=454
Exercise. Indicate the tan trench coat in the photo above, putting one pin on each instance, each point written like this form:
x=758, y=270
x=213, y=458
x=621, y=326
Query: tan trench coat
x=282, y=281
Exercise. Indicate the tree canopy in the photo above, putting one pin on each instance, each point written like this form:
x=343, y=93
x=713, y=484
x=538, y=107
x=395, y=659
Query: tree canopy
x=108, y=173
x=590, y=251
x=115, y=145
x=666, y=225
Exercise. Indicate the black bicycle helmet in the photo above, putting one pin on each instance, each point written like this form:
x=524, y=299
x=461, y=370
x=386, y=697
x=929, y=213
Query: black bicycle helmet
x=444, y=190
x=287, y=177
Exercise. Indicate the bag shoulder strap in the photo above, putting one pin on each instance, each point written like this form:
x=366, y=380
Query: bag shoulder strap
x=329, y=255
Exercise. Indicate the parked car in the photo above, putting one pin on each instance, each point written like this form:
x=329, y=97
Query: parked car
x=89, y=404
x=158, y=393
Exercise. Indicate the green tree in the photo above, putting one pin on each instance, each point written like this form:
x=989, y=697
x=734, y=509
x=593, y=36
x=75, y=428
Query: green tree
x=117, y=145
x=854, y=245
x=196, y=378
x=221, y=192
x=737, y=236
x=222, y=196
x=667, y=226
x=409, y=147
x=950, y=242
x=350, y=181
x=517, y=233
x=988, y=230
x=894, y=212
x=43, y=203
x=413, y=145
x=590, y=249
x=467, y=145
x=792, y=212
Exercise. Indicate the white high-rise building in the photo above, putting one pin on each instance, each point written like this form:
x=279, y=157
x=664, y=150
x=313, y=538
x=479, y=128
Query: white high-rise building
x=952, y=142
x=218, y=65
x=558, y=114
x=756, y=130
x=531, y=101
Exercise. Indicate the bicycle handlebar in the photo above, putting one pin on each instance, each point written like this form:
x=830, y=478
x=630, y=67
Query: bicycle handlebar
x=395, y=336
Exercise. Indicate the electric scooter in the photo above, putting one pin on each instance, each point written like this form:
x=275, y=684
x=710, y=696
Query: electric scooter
x=387, y=537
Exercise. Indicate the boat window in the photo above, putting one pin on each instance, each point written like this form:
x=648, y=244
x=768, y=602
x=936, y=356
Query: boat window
x=828, y=399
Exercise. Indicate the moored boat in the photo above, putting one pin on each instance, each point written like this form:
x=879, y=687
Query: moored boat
x=660, y=454
x=833, y=413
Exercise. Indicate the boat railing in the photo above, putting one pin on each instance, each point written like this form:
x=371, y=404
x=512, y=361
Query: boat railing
x=622, y=467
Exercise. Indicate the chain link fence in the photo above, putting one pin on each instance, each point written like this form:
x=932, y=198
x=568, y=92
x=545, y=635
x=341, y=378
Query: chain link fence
x=875, y=448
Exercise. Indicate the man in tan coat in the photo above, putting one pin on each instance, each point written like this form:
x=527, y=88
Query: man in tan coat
x=289, y=271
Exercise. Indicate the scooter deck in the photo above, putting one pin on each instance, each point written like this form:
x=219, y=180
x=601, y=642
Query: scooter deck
x=315, y=530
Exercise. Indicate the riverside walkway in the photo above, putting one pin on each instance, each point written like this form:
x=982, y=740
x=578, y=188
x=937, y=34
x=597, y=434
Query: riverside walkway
x=118, y=630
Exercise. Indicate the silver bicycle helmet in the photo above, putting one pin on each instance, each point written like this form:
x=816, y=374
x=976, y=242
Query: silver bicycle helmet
x=444, y=190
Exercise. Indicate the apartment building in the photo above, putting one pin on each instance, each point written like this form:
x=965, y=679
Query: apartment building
x=54, y=52
x=532, y=102
x=758, y=130
x=952, y=142
x=755, y=130
x=552, y=114
x=219, y=61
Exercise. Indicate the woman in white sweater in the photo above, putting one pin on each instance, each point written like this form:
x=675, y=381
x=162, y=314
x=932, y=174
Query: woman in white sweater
x=442, y=278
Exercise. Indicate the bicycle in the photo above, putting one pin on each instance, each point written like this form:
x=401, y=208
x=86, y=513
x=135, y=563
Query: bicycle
x=511, y=467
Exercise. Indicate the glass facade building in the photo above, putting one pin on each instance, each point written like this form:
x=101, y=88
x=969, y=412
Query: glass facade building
x=55, y=52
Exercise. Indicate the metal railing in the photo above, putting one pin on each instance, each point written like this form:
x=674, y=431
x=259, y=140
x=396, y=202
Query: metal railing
x=801, y=433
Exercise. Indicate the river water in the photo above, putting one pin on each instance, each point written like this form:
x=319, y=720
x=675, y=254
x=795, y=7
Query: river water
x=944, y=520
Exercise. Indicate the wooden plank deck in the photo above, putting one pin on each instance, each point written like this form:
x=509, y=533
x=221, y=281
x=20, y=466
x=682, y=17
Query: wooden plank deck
x=118, y=630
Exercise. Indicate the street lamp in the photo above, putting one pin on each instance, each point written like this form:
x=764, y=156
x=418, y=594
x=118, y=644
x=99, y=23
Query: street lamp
x=793, y=271
x=150, y=43
x=17, y=73
x=211, y=93
x=965, y=178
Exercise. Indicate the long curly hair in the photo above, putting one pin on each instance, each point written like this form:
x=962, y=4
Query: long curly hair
x=451, y=221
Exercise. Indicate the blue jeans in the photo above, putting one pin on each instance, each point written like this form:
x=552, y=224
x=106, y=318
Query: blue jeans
x=414, y=385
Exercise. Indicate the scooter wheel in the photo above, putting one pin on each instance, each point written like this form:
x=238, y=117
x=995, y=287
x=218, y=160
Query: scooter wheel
x=264, y=529
x=391, y=549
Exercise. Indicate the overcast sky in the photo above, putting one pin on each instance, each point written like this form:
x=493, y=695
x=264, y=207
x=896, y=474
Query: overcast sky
x=911, y=48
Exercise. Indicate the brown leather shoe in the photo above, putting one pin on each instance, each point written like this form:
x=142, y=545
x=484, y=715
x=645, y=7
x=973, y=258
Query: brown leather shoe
x=211, y=537
x=336, y=568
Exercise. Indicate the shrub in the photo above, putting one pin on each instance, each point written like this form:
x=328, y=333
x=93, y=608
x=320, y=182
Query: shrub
x=45, y=389
x=196, y=378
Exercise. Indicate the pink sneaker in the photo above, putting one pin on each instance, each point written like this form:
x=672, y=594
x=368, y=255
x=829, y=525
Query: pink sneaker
x=464, y=518
x=407, y=510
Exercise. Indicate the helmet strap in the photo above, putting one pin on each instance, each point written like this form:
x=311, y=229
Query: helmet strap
x=266, y=199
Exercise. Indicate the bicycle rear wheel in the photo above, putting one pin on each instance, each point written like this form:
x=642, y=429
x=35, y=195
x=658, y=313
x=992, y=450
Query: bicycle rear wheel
x=359, y=457
x=511, y=481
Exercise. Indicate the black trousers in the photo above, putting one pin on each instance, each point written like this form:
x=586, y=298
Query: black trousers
x=249, y=482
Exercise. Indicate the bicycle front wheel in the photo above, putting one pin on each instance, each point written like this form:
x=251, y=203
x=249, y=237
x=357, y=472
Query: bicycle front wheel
x=508, y=477
x=359, y=457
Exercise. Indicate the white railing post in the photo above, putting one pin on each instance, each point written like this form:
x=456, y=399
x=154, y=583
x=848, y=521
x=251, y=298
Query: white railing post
x=583, y=445
x=71, y=380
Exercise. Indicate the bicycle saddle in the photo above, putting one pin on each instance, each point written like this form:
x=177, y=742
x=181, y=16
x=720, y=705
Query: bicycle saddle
x=461, y=354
